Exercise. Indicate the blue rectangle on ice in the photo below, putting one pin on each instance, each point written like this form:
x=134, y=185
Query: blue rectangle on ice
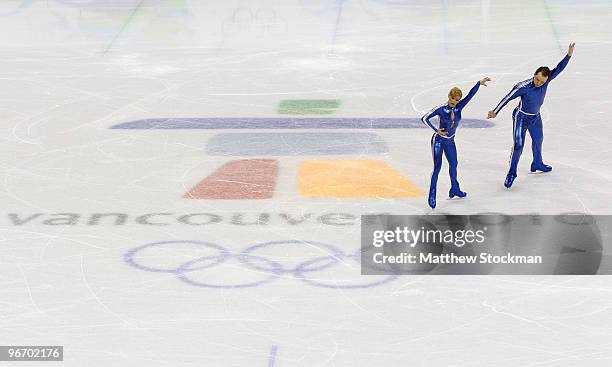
x=293, y=144
x=287, y=123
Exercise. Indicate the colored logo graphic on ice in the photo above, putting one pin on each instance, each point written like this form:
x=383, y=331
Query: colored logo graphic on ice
x=255, y=177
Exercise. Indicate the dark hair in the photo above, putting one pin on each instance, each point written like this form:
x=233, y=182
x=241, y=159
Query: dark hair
x=544, y=70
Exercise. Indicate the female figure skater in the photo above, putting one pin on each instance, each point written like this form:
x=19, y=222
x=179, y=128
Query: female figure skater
x=443, y=139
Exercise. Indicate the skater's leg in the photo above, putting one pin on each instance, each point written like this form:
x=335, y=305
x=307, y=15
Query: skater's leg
x=436, y=152
x=519, y=130
x=536, y=131
x=450, y=151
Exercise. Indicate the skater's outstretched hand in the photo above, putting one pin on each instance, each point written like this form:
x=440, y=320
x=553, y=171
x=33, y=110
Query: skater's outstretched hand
x=442, y=132
x=491, y=115
x=570, y=49
x=485, y=80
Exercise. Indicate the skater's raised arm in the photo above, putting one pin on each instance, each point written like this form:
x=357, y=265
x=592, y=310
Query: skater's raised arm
x=472, y=92
x=517, y=91
x=426, y=119
x=563, y=63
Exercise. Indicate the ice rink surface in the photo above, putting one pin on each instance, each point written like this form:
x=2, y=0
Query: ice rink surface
x=176, y=175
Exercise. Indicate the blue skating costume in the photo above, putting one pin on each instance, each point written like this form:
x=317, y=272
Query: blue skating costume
x=449, y=121
x=526, y=117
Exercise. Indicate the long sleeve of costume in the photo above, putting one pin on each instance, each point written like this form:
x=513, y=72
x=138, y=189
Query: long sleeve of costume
x=559, y=68
x=470, y=95
x=426, y=119
x=514, y=93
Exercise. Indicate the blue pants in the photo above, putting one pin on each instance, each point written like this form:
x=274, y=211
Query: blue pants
x=439, y=145
x=521, y=124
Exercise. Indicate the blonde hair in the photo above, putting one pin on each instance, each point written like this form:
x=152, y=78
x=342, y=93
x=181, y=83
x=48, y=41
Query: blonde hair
x=455, y=92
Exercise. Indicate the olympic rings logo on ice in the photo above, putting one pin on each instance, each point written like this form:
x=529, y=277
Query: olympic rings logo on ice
x=194, y=270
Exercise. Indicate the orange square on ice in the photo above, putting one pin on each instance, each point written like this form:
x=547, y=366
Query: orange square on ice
x=353, y=178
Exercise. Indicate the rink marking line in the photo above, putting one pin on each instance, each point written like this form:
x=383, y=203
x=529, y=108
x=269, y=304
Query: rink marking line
x=124, y=26
x=352, y=179
x=272, y=356
x=247, y=179
x=287, y=123
x=552, y=26
x=295, y=144
x=337, y=24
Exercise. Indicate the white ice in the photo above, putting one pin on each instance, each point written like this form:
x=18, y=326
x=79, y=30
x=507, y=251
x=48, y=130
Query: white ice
x=70, y=69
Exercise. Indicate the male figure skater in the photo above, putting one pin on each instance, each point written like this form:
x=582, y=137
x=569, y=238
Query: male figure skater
x=443, y=139
x=526, y=116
